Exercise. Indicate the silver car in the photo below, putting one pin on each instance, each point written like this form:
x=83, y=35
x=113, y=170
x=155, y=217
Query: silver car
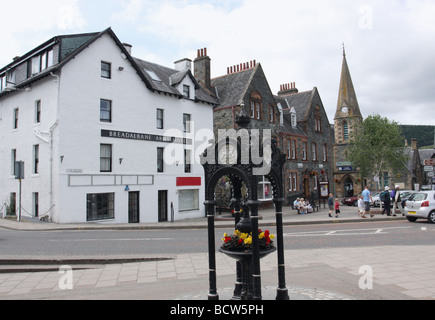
x=421, y=205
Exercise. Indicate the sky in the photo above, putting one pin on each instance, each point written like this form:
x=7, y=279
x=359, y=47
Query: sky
x=390, y=44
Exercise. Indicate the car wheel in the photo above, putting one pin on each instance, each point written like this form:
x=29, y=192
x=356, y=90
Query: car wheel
x=355, y=203
x=411, y=219
x=431, y=217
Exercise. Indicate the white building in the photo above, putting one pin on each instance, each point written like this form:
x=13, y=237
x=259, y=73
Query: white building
x=92, y=125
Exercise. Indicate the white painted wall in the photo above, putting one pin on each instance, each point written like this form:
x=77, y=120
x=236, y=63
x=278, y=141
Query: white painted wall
x=77, y=137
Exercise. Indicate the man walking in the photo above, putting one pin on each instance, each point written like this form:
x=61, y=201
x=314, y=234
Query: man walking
x=386, y=199
x=366, y=198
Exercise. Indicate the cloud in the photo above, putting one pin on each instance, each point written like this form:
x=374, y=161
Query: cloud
x=69, y=17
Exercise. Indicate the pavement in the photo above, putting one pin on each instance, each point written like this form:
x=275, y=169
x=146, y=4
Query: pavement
x=311, y=274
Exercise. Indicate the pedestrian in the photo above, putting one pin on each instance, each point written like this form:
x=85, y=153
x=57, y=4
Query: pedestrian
x=367, y=198
x=396, y=199
x=361, y=207
x=331, y=204
x=302, y=206
x=296, y=204
x=337, y=207
x=385, y=197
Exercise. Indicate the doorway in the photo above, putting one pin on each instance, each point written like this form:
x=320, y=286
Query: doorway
x=163, y=205
x=133, y=207
x=348, y=188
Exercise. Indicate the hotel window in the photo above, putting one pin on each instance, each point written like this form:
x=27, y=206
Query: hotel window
x=38, y=111
x=50, y=58
x=314, y=150
x=188, y=200
x=13, y=160
x=160, y=162
x=106, y=70
x=105, y=110
x=36, y=204
x=187, y=161
x=100, y=206
x=186, y=123
x=36, y=65
x=16, y=113
x=159, y=118
x=186, y=91
x=36, y=158
x=105, y=158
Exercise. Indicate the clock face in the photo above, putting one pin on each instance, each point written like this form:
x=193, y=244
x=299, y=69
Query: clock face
x=344, y=109
x=228, y=154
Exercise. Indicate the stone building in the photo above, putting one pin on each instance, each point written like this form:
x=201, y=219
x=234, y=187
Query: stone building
x=307, y=143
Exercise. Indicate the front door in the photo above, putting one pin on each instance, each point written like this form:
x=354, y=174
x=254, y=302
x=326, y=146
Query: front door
x=163, y=205
x=133, y=207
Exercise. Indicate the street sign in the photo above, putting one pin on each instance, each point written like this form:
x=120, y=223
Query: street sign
x=428, y=168
x=429, y=162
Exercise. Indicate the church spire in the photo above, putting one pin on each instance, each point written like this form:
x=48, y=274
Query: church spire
x=347, y=105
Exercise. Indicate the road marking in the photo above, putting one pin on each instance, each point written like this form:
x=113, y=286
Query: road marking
x=350, y=232
x=423, y=228
x=105, y=240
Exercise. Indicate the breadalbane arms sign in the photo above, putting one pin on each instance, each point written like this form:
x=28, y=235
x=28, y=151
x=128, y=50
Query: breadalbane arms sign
x=143, y=137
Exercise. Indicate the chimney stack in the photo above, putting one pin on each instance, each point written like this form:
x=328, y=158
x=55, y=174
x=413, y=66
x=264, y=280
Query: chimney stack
x=202, y=68
x=242, y=67
x=287, y=88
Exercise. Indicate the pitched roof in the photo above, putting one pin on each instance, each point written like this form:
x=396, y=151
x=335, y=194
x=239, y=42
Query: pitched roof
x=231, y=89
x=72, y=45
x=300, y=101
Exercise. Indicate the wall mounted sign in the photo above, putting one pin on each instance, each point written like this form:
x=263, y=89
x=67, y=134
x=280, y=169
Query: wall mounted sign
x=143, y=137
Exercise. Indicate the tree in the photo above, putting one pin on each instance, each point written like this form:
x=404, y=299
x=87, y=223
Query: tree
x=376, y=147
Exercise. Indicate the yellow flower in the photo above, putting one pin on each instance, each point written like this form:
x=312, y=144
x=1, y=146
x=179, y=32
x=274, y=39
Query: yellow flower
x=261, y=236
x=244, y=236
x=272, y=236
x=225, y=235
x=248, y=240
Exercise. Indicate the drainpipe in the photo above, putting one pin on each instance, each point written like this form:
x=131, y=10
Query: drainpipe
x=53, y=126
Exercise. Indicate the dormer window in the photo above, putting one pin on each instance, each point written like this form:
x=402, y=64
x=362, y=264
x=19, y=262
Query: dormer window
x=186, y=91
x=293, y=118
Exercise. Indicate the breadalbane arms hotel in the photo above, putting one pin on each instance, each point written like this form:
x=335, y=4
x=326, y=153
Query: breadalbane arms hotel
x=91, y=123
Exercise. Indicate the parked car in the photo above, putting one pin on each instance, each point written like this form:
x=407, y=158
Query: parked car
x=404, y=195
x=350, y=201
x=421, y=205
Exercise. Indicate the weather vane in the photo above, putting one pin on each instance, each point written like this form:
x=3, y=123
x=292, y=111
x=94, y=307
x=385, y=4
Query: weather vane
x=344, y=50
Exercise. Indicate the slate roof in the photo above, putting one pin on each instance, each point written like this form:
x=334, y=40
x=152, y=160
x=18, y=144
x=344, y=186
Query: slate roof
x=300, y=101
x=72, y=45
x=231, y=89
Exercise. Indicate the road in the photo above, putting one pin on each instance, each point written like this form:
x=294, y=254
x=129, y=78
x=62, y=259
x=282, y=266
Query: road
x=139, y=242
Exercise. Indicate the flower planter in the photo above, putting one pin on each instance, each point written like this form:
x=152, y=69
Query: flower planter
x=245, y=259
